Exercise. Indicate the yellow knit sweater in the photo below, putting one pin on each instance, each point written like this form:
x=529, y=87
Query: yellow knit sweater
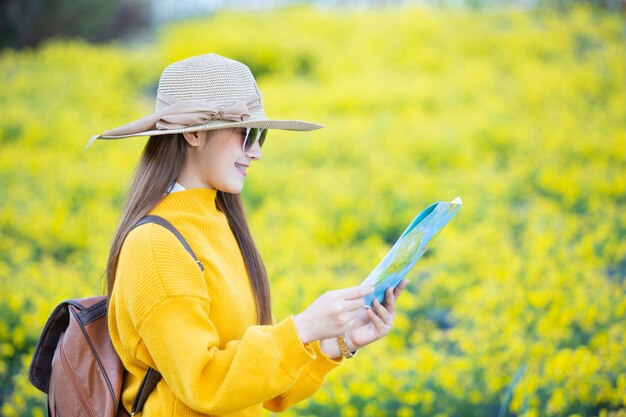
x=199, y=329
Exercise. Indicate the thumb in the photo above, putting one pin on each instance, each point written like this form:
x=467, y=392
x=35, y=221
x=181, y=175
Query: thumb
x=352, y=293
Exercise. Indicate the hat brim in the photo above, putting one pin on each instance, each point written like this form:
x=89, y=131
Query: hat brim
x=298, y=125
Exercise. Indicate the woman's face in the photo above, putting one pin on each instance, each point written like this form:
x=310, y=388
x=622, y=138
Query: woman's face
x=215, y=160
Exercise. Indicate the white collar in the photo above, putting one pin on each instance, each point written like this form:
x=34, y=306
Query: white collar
x=176, y=187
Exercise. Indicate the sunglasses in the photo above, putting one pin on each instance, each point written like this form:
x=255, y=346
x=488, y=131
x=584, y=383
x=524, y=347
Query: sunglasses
x=253, y=135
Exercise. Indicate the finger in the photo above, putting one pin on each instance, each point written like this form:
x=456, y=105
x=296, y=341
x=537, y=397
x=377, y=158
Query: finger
x=390, y=297
x=355, y=292
x=398, y=290
x=390, y=300
x=354, y=304
x=384, y=313
x=381, y=328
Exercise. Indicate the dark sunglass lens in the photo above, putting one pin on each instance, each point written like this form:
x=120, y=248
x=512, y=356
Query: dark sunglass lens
x=252, y=133
x=262, y=138
x=248, y=141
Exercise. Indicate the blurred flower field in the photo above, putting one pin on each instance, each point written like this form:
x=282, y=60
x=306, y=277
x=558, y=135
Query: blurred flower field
x=519, y=307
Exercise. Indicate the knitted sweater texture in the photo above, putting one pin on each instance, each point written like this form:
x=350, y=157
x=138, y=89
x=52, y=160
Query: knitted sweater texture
x=199, y=329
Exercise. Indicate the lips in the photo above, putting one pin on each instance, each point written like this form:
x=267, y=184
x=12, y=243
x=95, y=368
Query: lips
x=242, y=168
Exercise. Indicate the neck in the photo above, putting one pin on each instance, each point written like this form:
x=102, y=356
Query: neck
x=189, y=181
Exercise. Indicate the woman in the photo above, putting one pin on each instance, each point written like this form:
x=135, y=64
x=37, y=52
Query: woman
x=210, y=332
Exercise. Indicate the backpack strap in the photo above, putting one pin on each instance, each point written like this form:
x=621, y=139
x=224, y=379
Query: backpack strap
x=152, y=377
x=162, y=222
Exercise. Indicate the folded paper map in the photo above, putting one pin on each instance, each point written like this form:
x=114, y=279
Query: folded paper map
x=409, y=248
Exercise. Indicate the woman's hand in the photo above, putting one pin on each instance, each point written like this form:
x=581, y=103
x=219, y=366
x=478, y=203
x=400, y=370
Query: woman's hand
x=332, y=314
x=372, y=324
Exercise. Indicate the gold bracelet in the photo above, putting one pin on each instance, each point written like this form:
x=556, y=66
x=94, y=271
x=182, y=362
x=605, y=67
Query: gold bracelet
x=344, y=348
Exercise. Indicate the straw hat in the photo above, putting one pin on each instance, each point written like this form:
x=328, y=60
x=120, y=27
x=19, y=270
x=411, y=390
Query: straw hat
x=204, y=92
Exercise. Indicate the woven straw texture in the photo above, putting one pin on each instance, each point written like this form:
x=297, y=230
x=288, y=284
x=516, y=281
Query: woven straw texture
x=219, y=80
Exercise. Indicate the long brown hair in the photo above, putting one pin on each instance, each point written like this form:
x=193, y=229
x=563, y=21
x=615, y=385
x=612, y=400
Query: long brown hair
x=159, y=166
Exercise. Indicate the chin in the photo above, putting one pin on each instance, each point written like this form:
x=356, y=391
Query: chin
x=231, y=188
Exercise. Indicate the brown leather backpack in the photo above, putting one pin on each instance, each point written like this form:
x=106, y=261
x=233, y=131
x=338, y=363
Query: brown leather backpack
x=75, y=363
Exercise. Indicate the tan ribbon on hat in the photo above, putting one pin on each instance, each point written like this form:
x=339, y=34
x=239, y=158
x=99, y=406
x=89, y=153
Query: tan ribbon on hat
x=174, y=114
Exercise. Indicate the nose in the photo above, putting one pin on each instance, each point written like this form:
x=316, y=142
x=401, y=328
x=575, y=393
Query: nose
x=255, y=152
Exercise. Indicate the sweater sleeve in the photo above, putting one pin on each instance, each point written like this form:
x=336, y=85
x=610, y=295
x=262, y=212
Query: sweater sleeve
x=308, y=382
x=178, y=338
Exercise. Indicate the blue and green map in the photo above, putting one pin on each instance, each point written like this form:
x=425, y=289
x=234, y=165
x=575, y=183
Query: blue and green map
x=409, y=248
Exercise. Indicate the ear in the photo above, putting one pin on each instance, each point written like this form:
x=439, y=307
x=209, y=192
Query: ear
x=192, y=138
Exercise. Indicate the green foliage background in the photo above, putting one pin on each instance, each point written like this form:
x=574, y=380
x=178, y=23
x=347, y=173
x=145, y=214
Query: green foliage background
x=521, y=114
